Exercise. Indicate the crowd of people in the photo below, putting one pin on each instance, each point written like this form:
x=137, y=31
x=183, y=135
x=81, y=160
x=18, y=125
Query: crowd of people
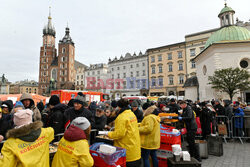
x=28, y=129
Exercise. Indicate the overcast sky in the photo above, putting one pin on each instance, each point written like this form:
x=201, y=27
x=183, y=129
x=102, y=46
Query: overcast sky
x=101, y=28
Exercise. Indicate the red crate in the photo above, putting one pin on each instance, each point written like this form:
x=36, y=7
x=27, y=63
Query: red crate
x=99, y=162
x=168, y=138
x=162, y=162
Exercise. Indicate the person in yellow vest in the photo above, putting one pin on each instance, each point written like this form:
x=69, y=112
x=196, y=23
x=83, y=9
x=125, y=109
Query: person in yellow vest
x=27, y=144
x=150, y=135
x=126, y=134
x=73, y=148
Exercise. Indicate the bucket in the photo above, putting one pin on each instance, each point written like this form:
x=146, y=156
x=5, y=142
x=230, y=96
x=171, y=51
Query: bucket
x=202, y=145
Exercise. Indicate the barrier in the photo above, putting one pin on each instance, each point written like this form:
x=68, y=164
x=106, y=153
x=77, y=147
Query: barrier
x=223, y=127
x=240, y=127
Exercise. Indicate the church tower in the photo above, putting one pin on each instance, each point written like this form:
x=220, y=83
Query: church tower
x=226, y=16
x=66, y=60
x=47, y=56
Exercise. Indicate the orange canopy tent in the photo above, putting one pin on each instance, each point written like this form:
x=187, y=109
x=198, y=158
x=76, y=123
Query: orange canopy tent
x=16, y=97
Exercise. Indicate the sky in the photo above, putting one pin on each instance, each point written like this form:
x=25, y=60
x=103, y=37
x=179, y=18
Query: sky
x=101, y=28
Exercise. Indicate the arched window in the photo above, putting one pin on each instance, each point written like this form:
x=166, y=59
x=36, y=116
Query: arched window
x=54, y=73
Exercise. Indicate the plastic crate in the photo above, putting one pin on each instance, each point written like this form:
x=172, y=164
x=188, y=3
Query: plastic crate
x=162, y=162
x=108, y=160
x=215, y=145
x=168, y=138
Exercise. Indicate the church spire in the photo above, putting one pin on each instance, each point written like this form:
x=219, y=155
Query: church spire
x=49, y=29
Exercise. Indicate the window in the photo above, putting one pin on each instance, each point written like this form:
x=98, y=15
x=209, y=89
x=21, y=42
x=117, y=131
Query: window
x=27, y=90
x=118, y=75
x=152, y=59
x=137, y=65
x=131, y=74
x=124, y=75
x=131, y=84
x=131, y=66
x=160, y=68
x=63, y=50
x=81, y=76
x=180, y=54
x=124, y=85
x=170, y=67
x=45, y=54
x=143, y=73
x=98, y=72
x=159, y=57
x=169, y=56
x=161, y=81
x=118, y=68
x=98, y=78
x=193, y=64
x=77, y=83
x=124, y=67
x=143, y=64
x=201, y=49
x=181, y=79
x=137, y=73
x=243, y=64
x=170, y=80
x=153, y=70
x=180, y=66
x=112, y=76
x=77, y=77
x=81, y=82
x=93, y=72
x=88, y=73
x=153, y=82
x=143, y=83
x=112, y=69
x=192, y=52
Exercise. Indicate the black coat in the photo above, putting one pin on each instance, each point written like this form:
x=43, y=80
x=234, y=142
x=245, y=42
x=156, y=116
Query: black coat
x=139, y=115
x=55, y=118
x=70, y=114
x=173, y=108
x=100, y=122
x=205, y=119
x=220, y=110
x=5, y=125
x=189, y=119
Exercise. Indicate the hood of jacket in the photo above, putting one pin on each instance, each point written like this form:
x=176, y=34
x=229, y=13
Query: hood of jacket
x=59, y=107
x=27, y=133
x=149, y=110
x=27, y=96
x=74, y=133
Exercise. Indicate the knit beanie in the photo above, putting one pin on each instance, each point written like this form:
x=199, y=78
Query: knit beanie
x=162, y=105
x=54, y=100
x=80, y=99
x=23, y=117
x=19, y=104
x=134, y=104
x=114, y=104
x=81, y=122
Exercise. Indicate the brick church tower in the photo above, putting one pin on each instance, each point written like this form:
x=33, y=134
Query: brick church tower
x=56, y=72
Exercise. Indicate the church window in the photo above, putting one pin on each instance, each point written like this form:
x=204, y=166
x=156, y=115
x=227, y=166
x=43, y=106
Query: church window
x=243, y=64
x=204, y=69
x=193, y=64
x=63, y=50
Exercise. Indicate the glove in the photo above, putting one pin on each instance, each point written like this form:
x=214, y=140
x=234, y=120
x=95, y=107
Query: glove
x=180, y=118
x=169, y=117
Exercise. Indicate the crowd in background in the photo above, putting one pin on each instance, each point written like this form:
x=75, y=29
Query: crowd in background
x=27, y=121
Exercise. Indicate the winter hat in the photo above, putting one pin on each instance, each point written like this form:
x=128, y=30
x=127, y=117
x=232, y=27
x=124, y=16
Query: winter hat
x=23, y=117
x=101, y=107
x=114, y=104
x=4, y=106
x=80, y=99
x=134, y=104
x=93, y=105
x=172, y=100
x=162, y=105
x=145, y=106
x=217, y=100
x=54, y=100
x=19, y=104
x=81, y=122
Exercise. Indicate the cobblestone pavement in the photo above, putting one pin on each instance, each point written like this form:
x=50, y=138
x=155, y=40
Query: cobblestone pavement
x=235, y=154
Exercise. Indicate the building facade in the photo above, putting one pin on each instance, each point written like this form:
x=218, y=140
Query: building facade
x=56, y=71
x=80, y=75
x=167, y=70
x=25, y=86
x=95, y=77
x=130, y=74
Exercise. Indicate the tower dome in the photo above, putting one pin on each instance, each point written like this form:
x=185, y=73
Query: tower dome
x=49, y=29
x=228, y=31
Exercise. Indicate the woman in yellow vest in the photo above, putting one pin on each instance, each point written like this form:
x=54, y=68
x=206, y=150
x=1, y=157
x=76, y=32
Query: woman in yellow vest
x=73, y=148
x=126, y=134
x=27, y=144
x=150, y=135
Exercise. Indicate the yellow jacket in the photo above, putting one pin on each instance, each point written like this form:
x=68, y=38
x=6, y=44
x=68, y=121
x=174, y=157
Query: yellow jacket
x=21, y=153
x=126, y=135
x=74, y=153
x=150, y=130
